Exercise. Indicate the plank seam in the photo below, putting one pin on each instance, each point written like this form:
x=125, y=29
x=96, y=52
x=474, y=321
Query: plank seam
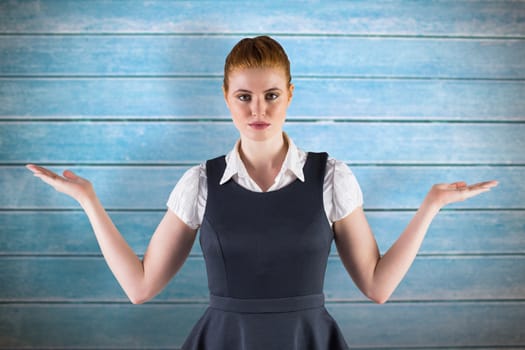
x=97, y=256
x=113, y=302
x=227, y=120
x=161, y=210
x=486, y=347
x=189, y=164
x=220, y=77
x=277, y=35
x=444, y=347
x=157, y=210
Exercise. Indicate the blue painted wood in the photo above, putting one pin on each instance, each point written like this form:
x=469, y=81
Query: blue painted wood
x=69, y=233
x=96, y=326
x=424, y=325
x=204, y=55
x=384, y=187
x=82, y=279
x=444, y=279
x=453, y=325
x=463, y=18
x=482, y=232
x=447, y=61
x=201, y=98
x=189, y=142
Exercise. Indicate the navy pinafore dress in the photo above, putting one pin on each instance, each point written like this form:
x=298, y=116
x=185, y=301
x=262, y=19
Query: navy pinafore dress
x=266, y=256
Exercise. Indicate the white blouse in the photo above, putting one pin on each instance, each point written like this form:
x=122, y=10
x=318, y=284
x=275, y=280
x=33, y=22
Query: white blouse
x=341, y=191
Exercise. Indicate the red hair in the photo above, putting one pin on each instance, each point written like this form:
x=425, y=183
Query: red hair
x=258, y=52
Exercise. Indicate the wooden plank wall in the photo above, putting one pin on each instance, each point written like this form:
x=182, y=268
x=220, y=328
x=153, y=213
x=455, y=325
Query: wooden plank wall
x=128, y=94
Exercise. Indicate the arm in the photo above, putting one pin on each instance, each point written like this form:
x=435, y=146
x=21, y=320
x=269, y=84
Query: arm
x=168, y=249
x=377, y=277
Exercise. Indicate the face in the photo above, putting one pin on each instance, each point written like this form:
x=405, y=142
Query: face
x=258, y=99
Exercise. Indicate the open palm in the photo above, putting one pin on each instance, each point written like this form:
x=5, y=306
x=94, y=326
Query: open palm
x=70, y=183
x=459, y=191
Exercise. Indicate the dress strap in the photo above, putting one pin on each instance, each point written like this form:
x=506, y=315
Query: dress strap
x=214, y=170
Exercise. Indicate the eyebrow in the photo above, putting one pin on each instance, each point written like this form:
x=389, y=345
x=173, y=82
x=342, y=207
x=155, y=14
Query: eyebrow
x=269, y=90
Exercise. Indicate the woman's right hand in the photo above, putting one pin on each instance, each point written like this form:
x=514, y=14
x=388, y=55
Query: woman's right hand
x=71, y=184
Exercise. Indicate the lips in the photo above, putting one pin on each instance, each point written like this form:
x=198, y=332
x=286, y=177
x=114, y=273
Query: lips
x=259, y=125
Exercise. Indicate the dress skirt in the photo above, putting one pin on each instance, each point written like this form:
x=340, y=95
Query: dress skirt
x=294, y=323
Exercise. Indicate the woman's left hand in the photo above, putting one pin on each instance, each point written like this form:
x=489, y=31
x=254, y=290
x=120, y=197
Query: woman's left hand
x=443, y=194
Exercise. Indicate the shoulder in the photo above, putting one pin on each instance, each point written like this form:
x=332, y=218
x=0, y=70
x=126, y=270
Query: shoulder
x=192, y=175
x=188, y=185
x=188, y=195
x=341, y=187
x=340, y=178
x=338, y=170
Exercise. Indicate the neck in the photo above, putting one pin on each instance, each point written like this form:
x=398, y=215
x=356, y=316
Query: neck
x=263, y=155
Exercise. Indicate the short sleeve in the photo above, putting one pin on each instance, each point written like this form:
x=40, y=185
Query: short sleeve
x=188, y=199
x=342, y=189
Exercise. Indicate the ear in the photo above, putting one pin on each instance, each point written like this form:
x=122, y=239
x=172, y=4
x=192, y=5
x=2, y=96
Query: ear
x=290, y=92
x=225, y=94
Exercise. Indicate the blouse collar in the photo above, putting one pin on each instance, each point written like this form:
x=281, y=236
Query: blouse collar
x=292, y=163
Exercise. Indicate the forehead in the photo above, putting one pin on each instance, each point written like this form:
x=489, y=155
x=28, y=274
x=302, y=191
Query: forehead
x=257, y=78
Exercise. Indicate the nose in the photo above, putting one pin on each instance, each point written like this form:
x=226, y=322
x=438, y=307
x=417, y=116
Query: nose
x=258, y=108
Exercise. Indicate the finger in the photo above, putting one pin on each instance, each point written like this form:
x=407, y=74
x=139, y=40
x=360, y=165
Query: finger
x=485, y=184
x=34, y=168
x=46, y=175
x=69, y=175
x=489, y=184
x=460, y=185
x=50, y=180
x=472, y=193
x=41, y=170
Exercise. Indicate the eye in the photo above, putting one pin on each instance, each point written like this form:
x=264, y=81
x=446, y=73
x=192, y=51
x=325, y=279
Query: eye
x=244, y=97
x=271, y=96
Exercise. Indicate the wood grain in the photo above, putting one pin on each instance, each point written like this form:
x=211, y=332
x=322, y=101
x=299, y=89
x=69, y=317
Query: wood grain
x=167, y=143
x=316, y=56
x=444, y=18
x=128, y=94
x=463, y=324
x=81, y=279
x=314, y=99
x=384, y=187
x=67, y=233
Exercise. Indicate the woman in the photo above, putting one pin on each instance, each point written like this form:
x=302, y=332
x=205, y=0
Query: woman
x=267, y=214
